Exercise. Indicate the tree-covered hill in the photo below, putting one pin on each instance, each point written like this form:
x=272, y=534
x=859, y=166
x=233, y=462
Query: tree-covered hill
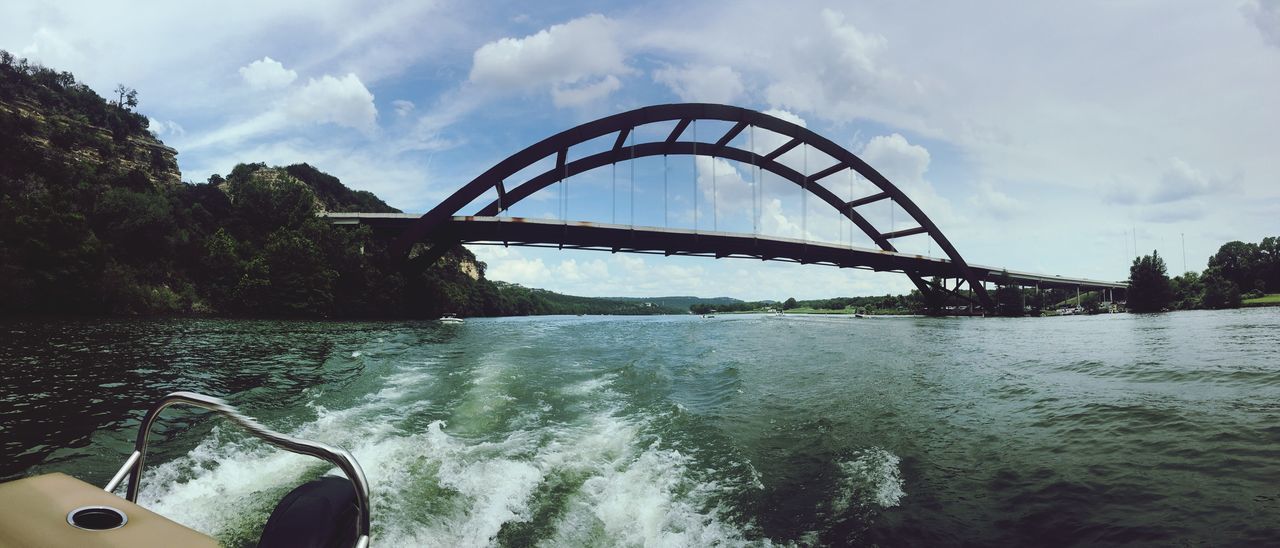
x=94, y=219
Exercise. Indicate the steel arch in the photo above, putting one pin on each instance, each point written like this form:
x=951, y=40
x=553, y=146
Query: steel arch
x=685, y=113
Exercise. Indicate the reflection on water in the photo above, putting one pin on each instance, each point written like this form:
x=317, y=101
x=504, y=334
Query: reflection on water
x=741, y=430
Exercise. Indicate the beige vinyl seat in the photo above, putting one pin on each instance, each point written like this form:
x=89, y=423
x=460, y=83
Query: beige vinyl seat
x=33, y=514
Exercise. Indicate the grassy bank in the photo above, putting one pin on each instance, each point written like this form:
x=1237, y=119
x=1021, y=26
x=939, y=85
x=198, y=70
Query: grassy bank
x=1265, y=300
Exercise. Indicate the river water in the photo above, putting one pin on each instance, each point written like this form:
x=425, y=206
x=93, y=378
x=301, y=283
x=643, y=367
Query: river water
x=683, y=431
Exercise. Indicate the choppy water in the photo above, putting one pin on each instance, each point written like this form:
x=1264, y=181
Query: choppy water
x=678, y=431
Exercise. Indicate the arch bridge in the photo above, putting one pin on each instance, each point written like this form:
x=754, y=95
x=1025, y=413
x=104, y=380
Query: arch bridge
x=447, y=224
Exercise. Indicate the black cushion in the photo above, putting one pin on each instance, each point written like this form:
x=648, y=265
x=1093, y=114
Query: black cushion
x=321, y=513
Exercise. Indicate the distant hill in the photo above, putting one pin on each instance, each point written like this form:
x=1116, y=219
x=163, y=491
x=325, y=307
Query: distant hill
x=681, y=303
x=540, y=301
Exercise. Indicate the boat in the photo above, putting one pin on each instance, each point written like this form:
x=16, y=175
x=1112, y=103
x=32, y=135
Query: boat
x=451, y=319
x=55, y=509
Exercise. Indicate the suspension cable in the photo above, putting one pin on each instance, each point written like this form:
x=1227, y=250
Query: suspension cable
x=613, y=207
x=632, y=184
x=695, y=176
x=715, y=216
x=666, y=222
x=565, y=186
x=804, y=195
x=755, y=212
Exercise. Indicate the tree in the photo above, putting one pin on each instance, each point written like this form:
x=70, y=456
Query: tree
x=1149, y=289
x=1237, y=261
x=1269, y=263
x=127, y=97
x=789, y=304
x=1219, y=292
x=1186, y=291
x=1091, y=302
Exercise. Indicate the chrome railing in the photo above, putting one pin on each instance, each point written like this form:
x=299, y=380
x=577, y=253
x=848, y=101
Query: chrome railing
x=336, y=456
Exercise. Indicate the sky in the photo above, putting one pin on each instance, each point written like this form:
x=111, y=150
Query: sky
x=1052, y=137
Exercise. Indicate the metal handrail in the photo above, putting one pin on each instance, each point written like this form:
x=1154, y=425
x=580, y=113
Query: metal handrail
x=336, y=456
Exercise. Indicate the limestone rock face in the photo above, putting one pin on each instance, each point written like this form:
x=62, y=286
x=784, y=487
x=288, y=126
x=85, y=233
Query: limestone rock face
x=70, y=139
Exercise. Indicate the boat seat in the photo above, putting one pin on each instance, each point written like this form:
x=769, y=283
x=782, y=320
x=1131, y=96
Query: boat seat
x=33, y=514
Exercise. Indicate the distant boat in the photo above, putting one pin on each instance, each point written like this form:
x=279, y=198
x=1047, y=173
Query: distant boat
x=710, y=314
x=451, y=319
x=858, y=316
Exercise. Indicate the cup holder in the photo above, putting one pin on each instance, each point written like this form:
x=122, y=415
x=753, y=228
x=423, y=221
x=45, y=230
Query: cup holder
x=97, y=518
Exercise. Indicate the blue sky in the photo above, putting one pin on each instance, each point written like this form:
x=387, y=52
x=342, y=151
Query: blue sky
x=1037, y=136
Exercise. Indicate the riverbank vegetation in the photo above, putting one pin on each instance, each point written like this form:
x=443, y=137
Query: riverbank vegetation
x=886, y=304
x=1238, y=274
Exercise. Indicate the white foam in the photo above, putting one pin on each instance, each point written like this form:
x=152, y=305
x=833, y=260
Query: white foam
x=871, y=477
x=460, y=486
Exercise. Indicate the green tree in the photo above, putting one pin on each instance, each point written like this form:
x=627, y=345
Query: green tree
x=136, y=224
x=1237, y=262
x=789, y=303
x=1186, y=290
x=222, y=267
x=1269, y=263
x=301, y=280
x=1219, y=291
x=1149, y=284
x=1091, y=302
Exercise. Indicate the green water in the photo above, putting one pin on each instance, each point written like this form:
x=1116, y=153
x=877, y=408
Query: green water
x=680, y=431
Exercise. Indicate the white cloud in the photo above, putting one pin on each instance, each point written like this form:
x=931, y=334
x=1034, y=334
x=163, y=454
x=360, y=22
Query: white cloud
x=570, y=270
x=49, y=48
x=267, y=73
x=718, y=84
x=1179, y=181
x=835, y=69
x=343, y=101
x=571, y=95
x=165, y=128
x=994, y=202
x=1265, y=14
x=900, y=161
x=578, y=60
x=526, y=272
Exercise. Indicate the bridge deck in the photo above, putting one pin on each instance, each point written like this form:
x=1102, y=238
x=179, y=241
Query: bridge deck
x=667, y=241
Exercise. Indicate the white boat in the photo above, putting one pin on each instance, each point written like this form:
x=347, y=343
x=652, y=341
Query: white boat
x=451, y=319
